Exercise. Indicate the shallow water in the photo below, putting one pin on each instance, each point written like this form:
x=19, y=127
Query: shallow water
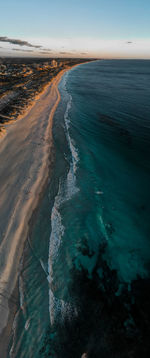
x=90, y=250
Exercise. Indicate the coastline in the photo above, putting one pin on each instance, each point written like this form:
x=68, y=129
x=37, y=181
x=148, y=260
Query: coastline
x=24, y=202
x=25, y=110
x=85, y=285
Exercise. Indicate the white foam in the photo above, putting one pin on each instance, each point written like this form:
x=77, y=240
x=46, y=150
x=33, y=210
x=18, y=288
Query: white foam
x=57, y=231
x=27, y=324
x=99, y=192
x=71, y=177
x=58, y=307
x=14, y=326
x=43, y=266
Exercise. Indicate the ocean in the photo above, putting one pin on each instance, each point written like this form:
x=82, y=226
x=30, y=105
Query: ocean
x=85, y=274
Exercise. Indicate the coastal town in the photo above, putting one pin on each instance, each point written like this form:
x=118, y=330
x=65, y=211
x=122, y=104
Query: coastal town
x=21, y=79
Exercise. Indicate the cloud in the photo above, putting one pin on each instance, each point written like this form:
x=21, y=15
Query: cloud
x=65, y=53
x=22, y=50
x=129, y=42
x=45, y=52
x=17, y=42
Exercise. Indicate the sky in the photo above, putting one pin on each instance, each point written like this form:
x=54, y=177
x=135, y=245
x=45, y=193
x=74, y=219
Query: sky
x=75, y=28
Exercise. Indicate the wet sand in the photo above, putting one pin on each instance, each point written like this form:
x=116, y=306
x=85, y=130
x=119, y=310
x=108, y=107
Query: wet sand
x=24, y=169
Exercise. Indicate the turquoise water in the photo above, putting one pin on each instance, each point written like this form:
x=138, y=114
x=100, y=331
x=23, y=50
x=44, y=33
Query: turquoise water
x=87, y=288
x=109, y=122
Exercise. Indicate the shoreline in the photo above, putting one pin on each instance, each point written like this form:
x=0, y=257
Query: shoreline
x=25, y=110
x=26, y=207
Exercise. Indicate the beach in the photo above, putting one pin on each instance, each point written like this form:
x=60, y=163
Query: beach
x=74, y=192
x=24, y=170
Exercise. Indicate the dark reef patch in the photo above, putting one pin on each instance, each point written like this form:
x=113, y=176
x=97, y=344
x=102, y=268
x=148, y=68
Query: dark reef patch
x=112, y=321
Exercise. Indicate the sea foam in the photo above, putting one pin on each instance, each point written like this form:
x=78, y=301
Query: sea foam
x=67, y=188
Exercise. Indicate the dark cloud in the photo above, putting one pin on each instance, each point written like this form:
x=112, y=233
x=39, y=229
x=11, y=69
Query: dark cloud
x=129, y=42
x=45, y=52
x=22, y=50
x=65, y=53
x=17, y=42
x=72, y=52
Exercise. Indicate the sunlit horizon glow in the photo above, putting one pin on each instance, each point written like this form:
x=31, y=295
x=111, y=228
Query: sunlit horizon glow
x=80, y=47
x=97, y=29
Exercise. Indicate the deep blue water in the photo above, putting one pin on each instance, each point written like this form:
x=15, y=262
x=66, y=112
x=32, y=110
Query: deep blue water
x=99, y=243
x=109, y=123
x=93, y=228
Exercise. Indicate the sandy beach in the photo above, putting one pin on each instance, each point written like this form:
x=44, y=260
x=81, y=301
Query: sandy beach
x=24, y=168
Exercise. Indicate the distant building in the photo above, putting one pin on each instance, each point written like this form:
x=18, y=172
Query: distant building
x=54, y=63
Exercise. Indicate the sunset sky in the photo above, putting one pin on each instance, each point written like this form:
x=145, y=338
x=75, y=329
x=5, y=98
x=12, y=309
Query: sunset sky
x=84, y=28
